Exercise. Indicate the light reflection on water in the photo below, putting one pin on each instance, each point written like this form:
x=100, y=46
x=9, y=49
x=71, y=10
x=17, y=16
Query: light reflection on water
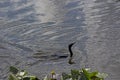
x=33, y=30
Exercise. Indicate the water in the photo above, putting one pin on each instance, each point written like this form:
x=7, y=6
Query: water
x=34, y=33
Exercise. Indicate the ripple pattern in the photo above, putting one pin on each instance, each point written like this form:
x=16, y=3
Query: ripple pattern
x=35, y=33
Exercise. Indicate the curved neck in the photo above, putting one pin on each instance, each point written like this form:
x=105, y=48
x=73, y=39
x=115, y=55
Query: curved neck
x=70, y=49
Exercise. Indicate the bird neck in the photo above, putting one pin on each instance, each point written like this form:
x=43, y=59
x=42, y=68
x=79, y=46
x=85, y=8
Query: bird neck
x=70, y=50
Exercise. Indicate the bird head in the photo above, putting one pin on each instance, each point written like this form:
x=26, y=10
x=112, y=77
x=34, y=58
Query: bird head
x=70, y=45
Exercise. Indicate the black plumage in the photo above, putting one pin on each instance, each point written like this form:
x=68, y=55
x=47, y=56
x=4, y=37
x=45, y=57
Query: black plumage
x=70, y=49
x=71, y=53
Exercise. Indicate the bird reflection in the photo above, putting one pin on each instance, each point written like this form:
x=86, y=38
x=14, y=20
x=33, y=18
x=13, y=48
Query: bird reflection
x=56, y=56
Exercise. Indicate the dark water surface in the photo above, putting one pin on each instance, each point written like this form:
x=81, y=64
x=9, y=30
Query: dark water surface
x=35, y=33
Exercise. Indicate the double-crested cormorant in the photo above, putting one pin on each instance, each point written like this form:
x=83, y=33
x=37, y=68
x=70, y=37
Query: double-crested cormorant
x=71, y=53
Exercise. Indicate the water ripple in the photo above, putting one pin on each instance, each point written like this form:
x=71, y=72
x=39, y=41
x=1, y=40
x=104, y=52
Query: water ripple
x=28, y=26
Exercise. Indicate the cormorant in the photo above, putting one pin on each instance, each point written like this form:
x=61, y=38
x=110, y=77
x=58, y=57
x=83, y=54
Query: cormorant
x=71, y=53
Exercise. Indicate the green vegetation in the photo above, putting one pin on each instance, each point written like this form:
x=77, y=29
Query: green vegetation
x=16, y=74
x=82, y=74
